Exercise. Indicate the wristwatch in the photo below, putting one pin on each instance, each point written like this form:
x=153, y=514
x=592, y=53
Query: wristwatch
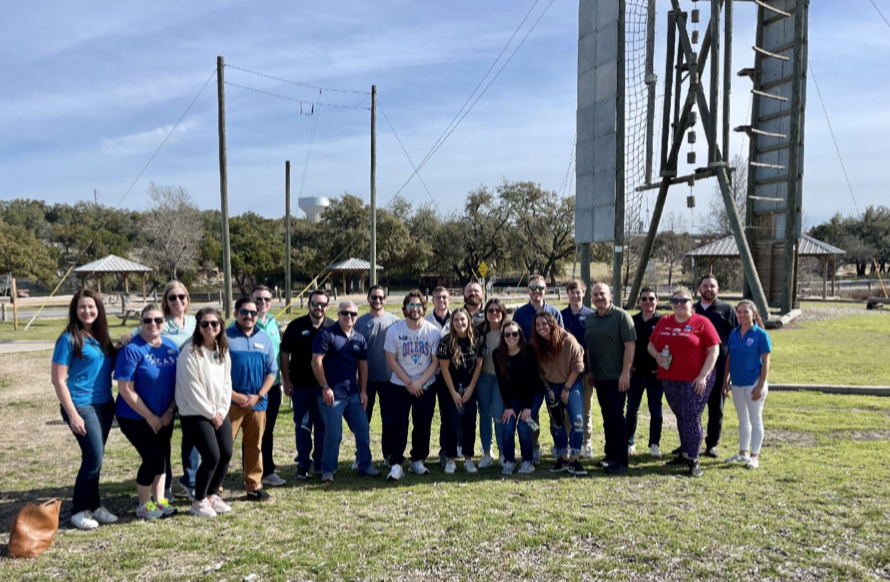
x=326, y=387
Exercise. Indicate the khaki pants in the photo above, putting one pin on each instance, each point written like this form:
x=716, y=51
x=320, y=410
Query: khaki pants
x=254, y=423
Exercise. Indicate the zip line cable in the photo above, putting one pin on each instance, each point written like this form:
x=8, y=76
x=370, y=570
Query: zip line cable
x=410, y=161
x=834, y=139
x=228, y=66
x=300, y=101
x=565, y=181
x=309, y=151
x=121, y=201
x=879, y=12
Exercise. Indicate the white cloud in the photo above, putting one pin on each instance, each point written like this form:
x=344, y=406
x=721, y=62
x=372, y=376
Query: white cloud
x=146, y=141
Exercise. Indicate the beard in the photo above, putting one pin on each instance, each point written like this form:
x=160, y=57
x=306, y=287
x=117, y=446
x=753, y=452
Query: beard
x=708, y=295
x=473, y=300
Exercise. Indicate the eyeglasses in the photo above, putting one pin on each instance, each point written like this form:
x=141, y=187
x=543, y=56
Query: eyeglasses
x=509, y=334
x=680, y=300
x=376, y=298
x=494, y=310
x=414, y=306
x=156, y=320
x=182, y=297
x=537, y=287
x=247, y=313
x=648, y=299
x=214, y=324
x=262, y=299
x=348, y=314
x=318, y=304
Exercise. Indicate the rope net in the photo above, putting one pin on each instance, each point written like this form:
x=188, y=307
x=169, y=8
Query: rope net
x=635, y=110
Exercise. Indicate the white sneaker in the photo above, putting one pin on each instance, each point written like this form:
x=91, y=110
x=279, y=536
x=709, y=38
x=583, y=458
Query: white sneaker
x=485, y=461
x=218, y=505
x=754, y=463
x=737, y=458
x=273, y=480
x=587, y=451
x=103, y=516
x=469, y=466
x=631, y=450
x=84, y=520
x=395, y=473
x=508, y=468
x=450, y=467
x=202, y=508
x=418, y=468
x=654, y=451
x=148, y=510
x=526, y=468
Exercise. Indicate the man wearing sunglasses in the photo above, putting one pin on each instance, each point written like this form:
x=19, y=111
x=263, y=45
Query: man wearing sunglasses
x=338, y=353
x=723, y=316
x=525, y=315
x=411, y=353
x=644, y=377
x=373, y=326
x=300, y=382
x=254, y=370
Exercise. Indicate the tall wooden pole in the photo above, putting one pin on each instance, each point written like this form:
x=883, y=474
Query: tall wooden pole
x=618, y=258
x=585, y=270
x=373, y=277
x=287, y=236
x=224, y=190
x=15, y=306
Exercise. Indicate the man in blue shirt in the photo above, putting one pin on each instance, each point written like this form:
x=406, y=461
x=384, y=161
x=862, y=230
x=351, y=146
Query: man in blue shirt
x=254, y=370
x=525, y=315
x=575, y=319
x=337, y=354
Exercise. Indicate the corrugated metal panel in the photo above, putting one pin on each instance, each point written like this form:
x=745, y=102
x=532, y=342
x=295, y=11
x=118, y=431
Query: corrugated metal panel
x=353, y=264
x=726, y=247
x=113, y=264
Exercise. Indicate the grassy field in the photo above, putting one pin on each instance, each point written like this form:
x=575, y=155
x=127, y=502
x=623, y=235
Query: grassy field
x=817, y=509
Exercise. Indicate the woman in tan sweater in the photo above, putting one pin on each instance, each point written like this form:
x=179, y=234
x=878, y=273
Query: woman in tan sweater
x=561, y=360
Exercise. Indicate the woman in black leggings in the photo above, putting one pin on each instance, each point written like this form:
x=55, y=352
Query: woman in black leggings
x=203, y=395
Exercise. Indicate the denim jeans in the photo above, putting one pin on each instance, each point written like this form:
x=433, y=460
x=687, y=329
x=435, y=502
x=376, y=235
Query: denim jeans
x=570, y=441
x=333, y=415
x=97, y=420
x=611, y=401
x=525, y=433
x=651, y=385
x=272, y=407
x=491, y=408
x=307, y=417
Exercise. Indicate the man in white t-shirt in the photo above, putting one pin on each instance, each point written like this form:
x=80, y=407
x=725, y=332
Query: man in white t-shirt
x=411, y=354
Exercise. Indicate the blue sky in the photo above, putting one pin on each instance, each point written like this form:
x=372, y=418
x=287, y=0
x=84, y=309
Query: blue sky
x=91, y=89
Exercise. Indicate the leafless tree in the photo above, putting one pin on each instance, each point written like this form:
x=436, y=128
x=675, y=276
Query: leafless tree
x=173, y=228
x=717, y=219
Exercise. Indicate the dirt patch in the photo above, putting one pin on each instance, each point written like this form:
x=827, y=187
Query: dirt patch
x=780, y=437
x=823, y=313
x=862, y=436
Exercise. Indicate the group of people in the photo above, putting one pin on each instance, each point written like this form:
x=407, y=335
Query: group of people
x=475, y=361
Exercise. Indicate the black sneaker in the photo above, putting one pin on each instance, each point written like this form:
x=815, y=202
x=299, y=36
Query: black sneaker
x=712, y=452
x=258, y=495
x=678, y=461
x=575, y=468
x=616, y=469
x=301, y=474
x=560, y=466
x=695, y=469
x=677, y=451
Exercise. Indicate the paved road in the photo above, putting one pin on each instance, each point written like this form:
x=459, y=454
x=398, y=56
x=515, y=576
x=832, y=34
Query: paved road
x=17, y=346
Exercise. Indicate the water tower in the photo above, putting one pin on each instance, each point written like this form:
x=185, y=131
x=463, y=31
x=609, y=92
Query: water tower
x=313, y=206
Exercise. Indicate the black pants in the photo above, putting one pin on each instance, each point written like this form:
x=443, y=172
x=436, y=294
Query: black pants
x=374, y=388
x=611, y=401
x=715, y=406
x=421, y=410
x=154, y=448
x=456, y=427
x=215, y=447
x=272, y=406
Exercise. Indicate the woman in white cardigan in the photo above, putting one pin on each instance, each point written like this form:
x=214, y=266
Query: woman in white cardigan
x=203, y=396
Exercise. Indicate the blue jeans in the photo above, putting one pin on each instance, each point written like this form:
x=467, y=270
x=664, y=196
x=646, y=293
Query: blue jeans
x=333, y=415
x=525, y=433
x=306, y=416
x=651, y=385
x=97, y=420
x=491, y=407
x=570, y=442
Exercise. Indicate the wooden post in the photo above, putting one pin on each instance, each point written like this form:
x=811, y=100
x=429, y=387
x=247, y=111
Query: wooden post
x=715, y=80
x=224, y=190
x=144, y=293
x=345, y=293
x=585, y=271
x=618, y=257
x=15, y=306
x=825, y=278
x=287, y=236
x=373, y=184
x=99, y=284
x=3, y=312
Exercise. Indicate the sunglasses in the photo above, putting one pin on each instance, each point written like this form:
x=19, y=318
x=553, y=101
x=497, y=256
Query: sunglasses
x=494, y=310
x=647, y=299
x=156, y=320
x=318, y=304
x=247, y=313
x=262, y=299
x=537, y=287
x=376, y=298
x=348, y=314
x=509, y=334
x=214, y=324
x=414, y=306
x=680, y=300
x=182, y=297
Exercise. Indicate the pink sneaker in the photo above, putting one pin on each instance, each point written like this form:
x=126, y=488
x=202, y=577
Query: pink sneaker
x=218, y=504
x=202, y=509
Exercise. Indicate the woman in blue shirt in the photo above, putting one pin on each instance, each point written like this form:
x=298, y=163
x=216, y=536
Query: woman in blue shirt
x=81, y=375
x=146, y=381
x=747, y=366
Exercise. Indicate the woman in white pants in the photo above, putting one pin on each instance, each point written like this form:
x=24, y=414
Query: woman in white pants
x=747, y=368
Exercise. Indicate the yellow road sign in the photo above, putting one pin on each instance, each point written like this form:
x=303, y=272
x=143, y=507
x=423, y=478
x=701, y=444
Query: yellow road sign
x=483, y=269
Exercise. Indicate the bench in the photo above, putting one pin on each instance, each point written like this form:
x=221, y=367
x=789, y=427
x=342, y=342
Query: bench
x=131, y=311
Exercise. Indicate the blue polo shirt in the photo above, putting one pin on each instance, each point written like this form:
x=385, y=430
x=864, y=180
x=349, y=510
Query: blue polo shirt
x=253, y=358
x=746, y=354
x=525, y=317
x=152, y=371
x=575, y=324
x=341, y=357
x=89, y=379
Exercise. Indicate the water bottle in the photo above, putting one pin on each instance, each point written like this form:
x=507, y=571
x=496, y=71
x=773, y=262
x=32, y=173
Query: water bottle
x=532, y=424
x=666, y=358
x=556, y=411
x=460, y=390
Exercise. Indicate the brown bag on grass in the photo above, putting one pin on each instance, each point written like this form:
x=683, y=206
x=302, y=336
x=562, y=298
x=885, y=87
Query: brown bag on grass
x=33, y=529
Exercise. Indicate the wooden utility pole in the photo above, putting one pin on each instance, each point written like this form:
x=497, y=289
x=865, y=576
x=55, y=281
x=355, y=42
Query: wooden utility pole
x=287, y=234
x=373, y=278
x=585, y=271
x=224, y=190
x=15, y=306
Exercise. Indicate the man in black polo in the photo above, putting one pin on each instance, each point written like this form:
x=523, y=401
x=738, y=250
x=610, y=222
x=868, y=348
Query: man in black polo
x=723, y=316
x=300, y=382
x=643, y=378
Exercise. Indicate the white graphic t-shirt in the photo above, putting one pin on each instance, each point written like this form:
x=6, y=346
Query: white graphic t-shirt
x=414, y=348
